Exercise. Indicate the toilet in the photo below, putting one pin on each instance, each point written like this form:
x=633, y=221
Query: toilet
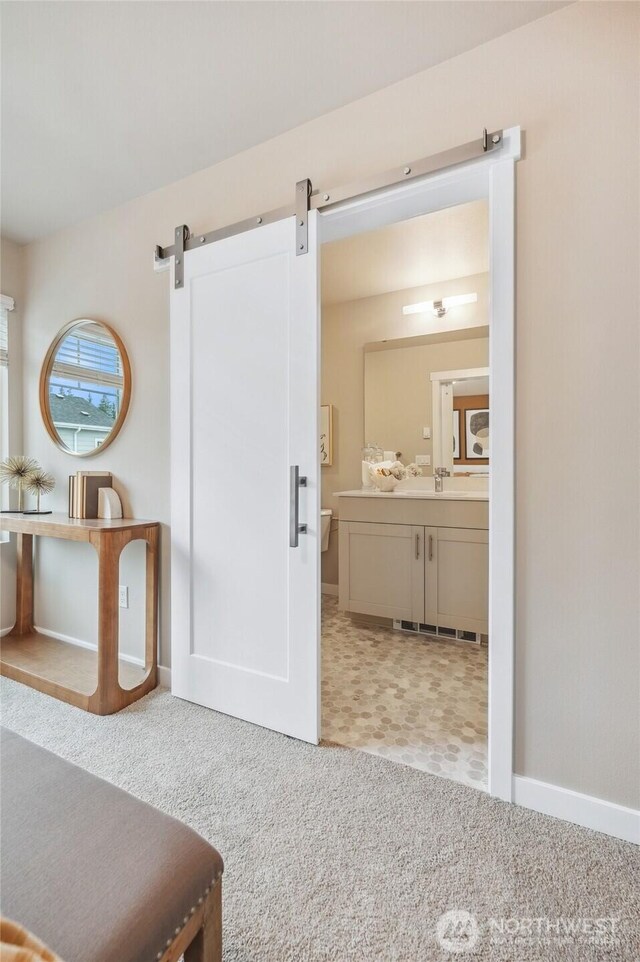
x=325, y=527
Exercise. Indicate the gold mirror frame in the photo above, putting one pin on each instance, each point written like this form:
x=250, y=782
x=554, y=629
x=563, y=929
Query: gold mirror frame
x=45, y=374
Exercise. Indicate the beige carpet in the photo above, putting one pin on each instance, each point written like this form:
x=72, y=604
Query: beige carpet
x=334, y=855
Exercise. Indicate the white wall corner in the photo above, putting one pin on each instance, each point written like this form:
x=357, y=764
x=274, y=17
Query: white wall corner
x=585, y=810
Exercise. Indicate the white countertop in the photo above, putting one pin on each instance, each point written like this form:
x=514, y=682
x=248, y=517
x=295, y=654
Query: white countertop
x=416, y=494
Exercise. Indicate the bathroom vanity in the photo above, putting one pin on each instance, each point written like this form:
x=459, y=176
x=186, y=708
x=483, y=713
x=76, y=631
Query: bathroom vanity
x=417, y=557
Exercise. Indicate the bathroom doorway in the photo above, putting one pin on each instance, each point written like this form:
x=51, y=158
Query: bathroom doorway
x=406, y=461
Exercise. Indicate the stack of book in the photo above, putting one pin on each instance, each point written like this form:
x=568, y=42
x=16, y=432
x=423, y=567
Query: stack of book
x=83, y=492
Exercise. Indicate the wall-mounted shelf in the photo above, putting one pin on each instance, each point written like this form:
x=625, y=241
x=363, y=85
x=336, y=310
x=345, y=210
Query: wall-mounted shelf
x=97, y=681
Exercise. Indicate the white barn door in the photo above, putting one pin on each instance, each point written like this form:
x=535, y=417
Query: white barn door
x=245, y=621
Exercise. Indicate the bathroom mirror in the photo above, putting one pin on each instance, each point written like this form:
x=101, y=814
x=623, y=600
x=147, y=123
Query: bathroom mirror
x=403, y=411
x=85, y=387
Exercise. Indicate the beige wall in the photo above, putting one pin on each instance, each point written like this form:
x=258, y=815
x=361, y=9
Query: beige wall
x=79, y=275
x=571, y=80
x=12, y=286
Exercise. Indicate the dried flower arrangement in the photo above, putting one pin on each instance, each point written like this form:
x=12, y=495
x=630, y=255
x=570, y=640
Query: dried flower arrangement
x=15, y=472
x=39, y=483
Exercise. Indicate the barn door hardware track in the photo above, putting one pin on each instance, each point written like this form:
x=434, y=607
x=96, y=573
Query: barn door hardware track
x=307, y=199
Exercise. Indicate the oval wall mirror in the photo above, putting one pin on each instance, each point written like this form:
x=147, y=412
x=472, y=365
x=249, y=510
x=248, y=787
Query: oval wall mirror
x=85, y=387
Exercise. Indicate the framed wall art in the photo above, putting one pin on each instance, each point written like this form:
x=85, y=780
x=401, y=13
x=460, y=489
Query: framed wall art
x=476, y=433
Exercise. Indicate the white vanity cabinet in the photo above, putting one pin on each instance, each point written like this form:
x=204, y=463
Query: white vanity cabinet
x=456, y=577
x=382, y=569
x=420, y=560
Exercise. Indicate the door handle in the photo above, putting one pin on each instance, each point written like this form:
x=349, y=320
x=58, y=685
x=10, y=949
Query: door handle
x=430, y=547
x=296, y=481
x=417, y=546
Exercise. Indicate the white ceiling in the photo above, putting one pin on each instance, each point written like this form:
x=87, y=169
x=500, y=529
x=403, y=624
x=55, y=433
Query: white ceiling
x=103, y=102
x=441, y=246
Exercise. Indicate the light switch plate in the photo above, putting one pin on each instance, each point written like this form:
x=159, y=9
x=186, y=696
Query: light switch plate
x=124, y=596
x=423, y=459
x=426, y=434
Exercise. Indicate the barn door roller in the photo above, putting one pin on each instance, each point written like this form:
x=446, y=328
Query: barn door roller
x=307, y=199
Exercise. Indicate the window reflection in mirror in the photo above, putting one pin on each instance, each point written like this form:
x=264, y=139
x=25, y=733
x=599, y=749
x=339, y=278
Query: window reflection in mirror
x=85, y=387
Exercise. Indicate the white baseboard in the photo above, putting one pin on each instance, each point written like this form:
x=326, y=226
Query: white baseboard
x=164, y=677
x=85, y=644
x=329, y=589
x=5, y=631
x=585, y=810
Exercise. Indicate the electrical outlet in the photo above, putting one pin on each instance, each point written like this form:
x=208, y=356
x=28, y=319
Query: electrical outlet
x=423, y=460
x=124, y=596
x=426, y=434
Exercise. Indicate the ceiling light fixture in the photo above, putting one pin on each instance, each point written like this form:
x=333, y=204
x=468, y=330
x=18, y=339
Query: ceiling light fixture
x=440, y=308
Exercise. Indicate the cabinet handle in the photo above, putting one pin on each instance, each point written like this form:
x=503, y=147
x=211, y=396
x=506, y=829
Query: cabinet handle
x=430, y=547
x=417, y=546
x=296, y=481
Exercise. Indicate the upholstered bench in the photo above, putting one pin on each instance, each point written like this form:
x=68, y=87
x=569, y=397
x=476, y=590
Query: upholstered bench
x=98, y=875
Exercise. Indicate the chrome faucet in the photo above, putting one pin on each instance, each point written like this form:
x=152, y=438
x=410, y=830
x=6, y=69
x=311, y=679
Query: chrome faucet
x=439, y=474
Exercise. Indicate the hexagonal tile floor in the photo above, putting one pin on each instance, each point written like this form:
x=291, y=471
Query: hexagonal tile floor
x=412, y=699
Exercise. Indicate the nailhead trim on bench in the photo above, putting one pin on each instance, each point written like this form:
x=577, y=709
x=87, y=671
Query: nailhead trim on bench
x=192, y=911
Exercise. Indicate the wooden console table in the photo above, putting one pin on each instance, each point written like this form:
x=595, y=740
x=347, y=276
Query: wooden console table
x=88, y=679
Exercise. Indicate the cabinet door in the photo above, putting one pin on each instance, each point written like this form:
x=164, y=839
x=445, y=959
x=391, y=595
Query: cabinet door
x=457, y=578
x=382, y=569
